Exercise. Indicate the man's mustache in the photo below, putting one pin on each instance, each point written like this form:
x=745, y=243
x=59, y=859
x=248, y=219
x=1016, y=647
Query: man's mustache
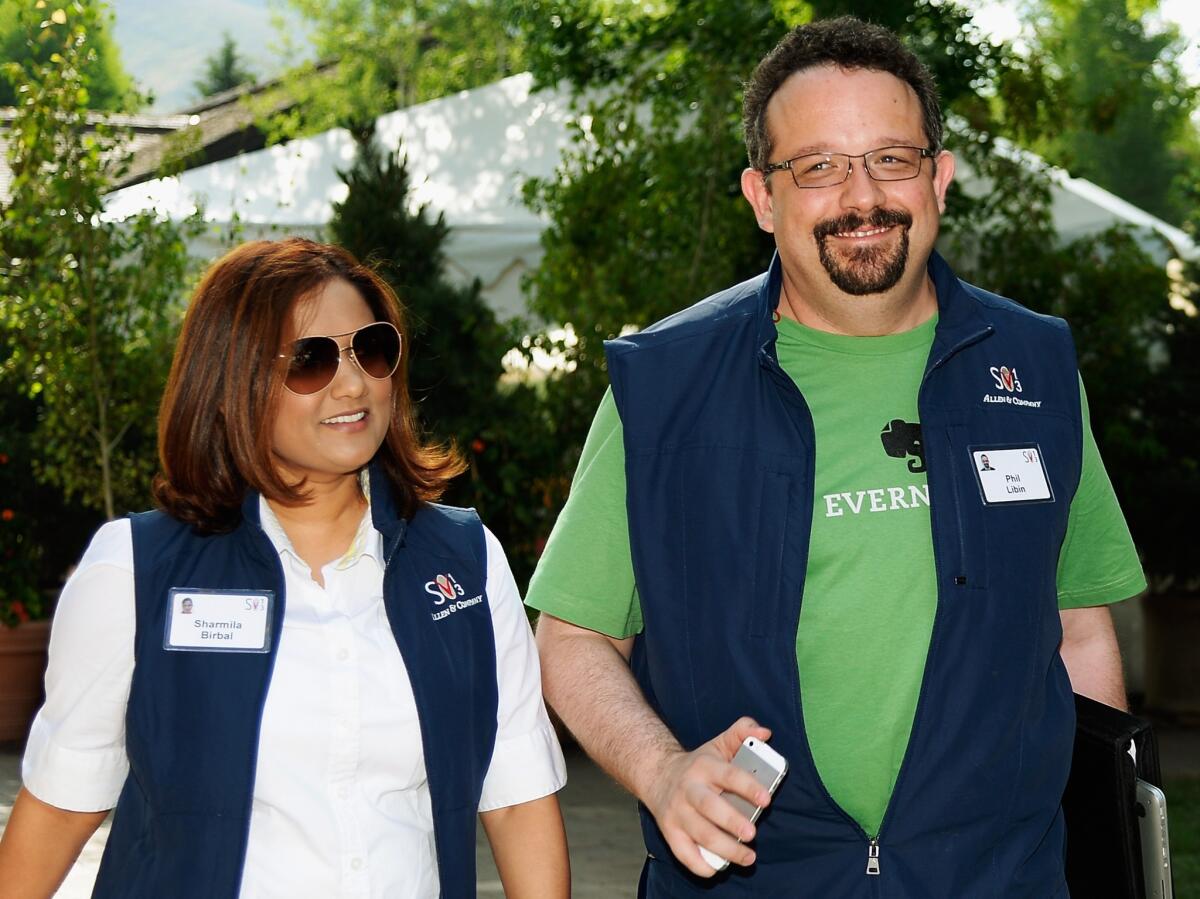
x=852, y=221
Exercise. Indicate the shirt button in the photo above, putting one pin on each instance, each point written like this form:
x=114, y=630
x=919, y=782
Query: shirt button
x=343, y=654
x=343, y=792
x=356, y=863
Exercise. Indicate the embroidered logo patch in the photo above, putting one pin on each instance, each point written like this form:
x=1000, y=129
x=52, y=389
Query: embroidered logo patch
x=447, y=592
x=1008, y=382
x=1006, y=378
x=442, y=588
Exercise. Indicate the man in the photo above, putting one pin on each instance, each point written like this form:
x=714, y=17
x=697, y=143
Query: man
x=741, y=557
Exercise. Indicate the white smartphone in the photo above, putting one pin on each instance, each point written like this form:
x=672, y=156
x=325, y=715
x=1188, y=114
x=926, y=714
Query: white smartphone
x=767, y=767
x=1156, y=848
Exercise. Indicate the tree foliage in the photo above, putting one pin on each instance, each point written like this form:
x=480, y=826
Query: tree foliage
x=646, y=214
x=454, y=351
x=109, y=86
x=1120, y=104
x=391, y=54
x=224, y=69
x=88, y=307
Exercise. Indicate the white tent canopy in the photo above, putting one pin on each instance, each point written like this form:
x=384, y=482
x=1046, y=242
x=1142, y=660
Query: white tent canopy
x=468, y=156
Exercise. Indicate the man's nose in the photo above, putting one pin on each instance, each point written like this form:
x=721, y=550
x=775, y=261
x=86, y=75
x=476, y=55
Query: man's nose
x=860, y=190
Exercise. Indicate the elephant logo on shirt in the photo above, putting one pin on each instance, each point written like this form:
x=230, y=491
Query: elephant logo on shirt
x=902, y=439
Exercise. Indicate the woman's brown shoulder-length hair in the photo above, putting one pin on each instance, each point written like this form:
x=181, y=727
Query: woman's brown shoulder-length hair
x=214, y=427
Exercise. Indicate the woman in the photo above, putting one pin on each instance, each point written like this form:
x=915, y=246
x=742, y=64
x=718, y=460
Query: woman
x=299, y=677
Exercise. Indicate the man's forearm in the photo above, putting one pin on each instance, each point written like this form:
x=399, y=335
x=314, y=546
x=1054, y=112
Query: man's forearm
x=587, y=681
x=1092, y=656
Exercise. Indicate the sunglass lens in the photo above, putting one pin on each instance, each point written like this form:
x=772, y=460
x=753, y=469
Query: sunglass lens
x=377, y=349
x=313, y=364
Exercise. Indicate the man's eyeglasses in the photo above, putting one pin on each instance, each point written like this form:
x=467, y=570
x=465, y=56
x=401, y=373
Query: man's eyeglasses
x=314, y=361
x=830, y=169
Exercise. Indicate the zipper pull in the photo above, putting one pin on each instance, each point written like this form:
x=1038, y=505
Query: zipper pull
x=873, y=857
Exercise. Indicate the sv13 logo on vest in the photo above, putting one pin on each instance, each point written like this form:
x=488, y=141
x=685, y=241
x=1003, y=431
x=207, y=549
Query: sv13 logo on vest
x=1006, y=378
x=442, y=588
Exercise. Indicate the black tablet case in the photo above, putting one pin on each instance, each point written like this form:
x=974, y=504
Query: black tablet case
x=1104, y=855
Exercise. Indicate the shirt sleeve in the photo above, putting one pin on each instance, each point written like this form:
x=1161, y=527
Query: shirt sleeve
x=527, y=762
x=585, y=575
x=1098, y=564
x=75, y=756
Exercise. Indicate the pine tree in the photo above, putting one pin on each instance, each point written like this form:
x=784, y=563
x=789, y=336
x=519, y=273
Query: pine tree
x=223, y=70
x=456, y=344
x=454, y=355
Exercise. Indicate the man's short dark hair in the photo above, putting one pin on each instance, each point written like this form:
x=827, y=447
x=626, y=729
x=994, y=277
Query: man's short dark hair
x=846, y=42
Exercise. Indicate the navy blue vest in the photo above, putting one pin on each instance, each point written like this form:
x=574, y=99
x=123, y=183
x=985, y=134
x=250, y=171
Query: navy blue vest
x=193, y=718
x=719, y=465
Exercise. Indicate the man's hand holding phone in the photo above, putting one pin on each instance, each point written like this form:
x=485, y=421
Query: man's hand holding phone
x=686, y=800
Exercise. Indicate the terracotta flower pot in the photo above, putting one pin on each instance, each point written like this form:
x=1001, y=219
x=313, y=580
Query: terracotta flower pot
x=22, y=666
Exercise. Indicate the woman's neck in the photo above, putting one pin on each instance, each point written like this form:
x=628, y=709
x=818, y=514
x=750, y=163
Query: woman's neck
x=322, y=529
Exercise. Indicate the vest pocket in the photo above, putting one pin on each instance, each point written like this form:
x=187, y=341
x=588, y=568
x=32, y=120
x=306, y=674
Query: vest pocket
x=771, y=541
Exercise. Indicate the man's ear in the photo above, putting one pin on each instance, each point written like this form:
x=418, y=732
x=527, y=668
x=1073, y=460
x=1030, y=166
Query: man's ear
x=942, y=177
x=758, y=195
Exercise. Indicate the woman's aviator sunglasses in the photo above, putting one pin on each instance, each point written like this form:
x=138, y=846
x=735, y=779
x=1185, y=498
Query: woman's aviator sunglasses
x=314, y=361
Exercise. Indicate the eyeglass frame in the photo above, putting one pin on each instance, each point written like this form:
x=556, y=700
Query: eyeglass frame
x=341, y=350
x=925, y=153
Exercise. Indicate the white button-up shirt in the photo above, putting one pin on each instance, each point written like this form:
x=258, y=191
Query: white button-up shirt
x=341, y=802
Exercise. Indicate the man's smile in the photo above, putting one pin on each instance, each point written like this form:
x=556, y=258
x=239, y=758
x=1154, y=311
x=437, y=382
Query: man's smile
x=862, y=233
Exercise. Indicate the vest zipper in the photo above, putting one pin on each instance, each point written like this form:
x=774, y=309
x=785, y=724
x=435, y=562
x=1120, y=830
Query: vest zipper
x=959, y=579
x=873, y=857
x=939, y=564
x=789, y=386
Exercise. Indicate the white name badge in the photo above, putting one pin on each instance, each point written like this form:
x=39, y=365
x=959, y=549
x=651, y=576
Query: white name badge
x=219, y=620
x=1012, y=475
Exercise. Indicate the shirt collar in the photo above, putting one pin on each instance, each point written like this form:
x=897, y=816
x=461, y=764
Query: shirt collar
x=367, y=540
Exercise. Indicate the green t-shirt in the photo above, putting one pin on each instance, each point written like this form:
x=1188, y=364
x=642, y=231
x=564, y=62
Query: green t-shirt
x=870, y=589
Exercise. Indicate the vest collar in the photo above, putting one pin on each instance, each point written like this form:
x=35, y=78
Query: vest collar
x=769, y=292
x=961, y=320
x=385, y=515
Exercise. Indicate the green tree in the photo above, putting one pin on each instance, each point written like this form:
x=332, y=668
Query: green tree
x=646, y=213
x=1161, y=497
x=394, y=53
x=1122, y=104
x=88, y=307
x=224, y=69
x=455, y=351
x=109, y=86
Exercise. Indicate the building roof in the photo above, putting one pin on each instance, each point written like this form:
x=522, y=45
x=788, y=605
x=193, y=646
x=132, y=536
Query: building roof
x=146, y=130
x=222, y=126
x=214, y=128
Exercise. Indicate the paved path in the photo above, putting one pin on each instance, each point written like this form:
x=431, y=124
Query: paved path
x=606, y=845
